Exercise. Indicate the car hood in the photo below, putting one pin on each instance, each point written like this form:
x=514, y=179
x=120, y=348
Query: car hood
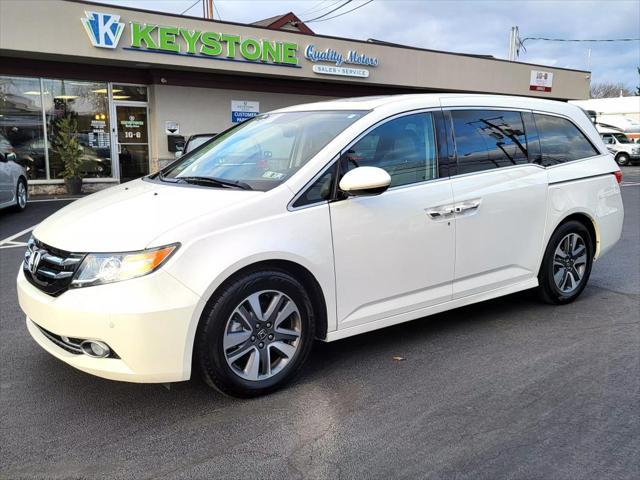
x=129, y=216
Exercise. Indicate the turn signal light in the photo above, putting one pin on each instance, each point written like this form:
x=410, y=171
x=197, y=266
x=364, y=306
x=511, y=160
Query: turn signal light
x=618, y=175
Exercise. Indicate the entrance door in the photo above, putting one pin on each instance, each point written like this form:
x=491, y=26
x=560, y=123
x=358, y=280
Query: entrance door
x=133, y=141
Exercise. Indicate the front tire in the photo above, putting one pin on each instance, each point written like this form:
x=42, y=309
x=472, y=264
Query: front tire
x=256, y=334
x=567, y=263
x=622, y=159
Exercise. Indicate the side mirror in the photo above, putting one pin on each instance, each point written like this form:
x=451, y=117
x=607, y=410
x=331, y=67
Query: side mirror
x=8, y=157
x=365, y=181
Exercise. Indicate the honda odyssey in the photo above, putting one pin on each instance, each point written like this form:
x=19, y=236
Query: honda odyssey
x=321, y=221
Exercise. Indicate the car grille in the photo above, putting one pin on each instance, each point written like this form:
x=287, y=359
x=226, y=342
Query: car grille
x=48, y=268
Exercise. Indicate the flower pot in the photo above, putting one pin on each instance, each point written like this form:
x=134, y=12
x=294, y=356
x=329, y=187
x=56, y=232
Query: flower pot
x=73, y=185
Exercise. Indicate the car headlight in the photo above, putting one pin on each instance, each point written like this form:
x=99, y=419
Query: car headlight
x=101, y=268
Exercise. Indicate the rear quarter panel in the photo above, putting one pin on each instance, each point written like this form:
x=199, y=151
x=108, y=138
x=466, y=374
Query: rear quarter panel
x=587, y=187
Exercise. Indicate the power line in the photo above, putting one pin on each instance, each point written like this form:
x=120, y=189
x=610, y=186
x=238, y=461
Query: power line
x=330, y=11
x=581, y=39
x=516, y=43
x=317, y=8
x=216, y=9
x=193, y=5
x=343, y=13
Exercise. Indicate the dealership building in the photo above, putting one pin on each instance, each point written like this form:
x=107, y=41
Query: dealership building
x=136, y=80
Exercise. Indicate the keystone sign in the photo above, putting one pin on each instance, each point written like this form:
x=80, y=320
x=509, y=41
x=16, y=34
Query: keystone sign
x=105, y=30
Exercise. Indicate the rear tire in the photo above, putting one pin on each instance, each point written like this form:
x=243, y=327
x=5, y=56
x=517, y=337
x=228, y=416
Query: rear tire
x=622, y=159
x=566, y=265
x=256, y=334
x=21, y=196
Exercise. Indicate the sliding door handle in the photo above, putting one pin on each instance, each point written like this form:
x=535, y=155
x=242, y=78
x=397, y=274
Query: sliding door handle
x=440, y=213
x=469, y=206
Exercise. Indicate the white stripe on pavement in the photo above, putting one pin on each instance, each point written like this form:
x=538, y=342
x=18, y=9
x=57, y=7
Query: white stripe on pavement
x=19, y=234
x=13, y=245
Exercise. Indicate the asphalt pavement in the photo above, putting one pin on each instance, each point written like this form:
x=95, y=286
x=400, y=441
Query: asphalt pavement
x=509, y=388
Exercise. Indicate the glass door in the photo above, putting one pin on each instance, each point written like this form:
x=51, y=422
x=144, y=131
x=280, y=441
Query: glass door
x=133, y=141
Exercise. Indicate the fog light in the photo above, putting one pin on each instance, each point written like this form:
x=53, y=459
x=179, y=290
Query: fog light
x=95, y=349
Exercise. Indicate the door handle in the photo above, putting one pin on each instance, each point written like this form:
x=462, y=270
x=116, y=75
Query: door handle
x=439, y=213
x=469, y=206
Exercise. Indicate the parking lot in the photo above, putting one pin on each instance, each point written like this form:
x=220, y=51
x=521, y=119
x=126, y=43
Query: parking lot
x=510, y=388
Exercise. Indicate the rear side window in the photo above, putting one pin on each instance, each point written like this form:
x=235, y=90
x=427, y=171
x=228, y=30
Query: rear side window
x=487, y=139
x=561, y=141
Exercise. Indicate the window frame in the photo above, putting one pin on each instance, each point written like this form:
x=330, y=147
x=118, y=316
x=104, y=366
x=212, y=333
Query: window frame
x=451, y=134
x=582, y=132
x=454, y=143
x=335, y=193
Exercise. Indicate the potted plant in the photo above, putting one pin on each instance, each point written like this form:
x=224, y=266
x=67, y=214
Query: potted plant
x=66, y=146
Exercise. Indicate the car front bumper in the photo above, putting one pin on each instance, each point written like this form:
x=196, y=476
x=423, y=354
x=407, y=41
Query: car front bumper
x=147, y=322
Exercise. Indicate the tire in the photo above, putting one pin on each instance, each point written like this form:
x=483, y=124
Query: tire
x=231, y=338
x=555, y=286
x=622, y=159
x=21, y=196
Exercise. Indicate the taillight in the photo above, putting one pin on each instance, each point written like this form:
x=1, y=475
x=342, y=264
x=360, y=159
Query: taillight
x=618, y=175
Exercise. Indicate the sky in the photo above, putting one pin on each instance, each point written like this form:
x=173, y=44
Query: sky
x=465, y=26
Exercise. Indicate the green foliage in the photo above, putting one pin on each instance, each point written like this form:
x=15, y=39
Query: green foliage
x=66, y=146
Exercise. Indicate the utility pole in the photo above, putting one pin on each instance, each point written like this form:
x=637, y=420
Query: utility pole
x=207, y=9
x=513, y=44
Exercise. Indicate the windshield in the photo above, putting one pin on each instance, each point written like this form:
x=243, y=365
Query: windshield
x=622, y=138
x=263, y=152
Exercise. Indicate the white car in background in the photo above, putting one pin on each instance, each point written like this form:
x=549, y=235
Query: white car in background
x=624, y=149
x=13, y=180
x=321, y=221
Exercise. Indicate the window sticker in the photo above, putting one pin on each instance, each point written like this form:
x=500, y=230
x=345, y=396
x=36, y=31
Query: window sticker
x=273, y=175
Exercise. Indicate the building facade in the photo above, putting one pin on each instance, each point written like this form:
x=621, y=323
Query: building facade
x=135, y=79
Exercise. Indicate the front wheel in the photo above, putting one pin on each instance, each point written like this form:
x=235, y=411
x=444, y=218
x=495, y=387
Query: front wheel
x=567, y=263
x=622, y=159
x=256, y=334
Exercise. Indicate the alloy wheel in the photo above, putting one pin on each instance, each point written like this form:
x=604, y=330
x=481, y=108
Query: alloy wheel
x=262, y=335
x=22, y=195
x=569, y=262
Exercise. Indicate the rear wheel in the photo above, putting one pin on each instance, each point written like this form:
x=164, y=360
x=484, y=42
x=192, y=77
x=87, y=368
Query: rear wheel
x=256, y=335
x=567, y=263
x=21, y=195
x=622, y=159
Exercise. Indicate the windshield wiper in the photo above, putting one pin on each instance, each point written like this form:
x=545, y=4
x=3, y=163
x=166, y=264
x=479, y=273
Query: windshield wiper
x=218, y=182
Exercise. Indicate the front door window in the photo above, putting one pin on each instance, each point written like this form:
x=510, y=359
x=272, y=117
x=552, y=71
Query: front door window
x=133, y=141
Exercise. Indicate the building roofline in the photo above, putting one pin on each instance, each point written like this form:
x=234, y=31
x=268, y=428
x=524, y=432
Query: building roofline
x=331, y=37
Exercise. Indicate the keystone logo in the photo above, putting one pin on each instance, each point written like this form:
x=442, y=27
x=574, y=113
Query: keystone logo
x=104, y=29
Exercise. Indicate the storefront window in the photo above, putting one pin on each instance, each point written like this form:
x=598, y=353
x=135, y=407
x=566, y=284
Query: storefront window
x=130, y=93
x=21, y=126
x=88, y=104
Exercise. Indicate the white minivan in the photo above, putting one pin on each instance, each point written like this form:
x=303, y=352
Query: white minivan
x=321, y=221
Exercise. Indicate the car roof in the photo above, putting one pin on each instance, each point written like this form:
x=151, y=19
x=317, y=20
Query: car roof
x=430, y=100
